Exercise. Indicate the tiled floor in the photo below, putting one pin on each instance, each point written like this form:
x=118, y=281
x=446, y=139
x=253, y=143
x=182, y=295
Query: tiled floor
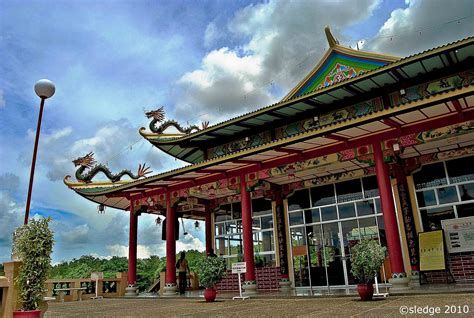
x=462, y=303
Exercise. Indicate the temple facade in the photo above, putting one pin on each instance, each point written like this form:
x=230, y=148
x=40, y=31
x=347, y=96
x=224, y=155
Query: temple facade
x=365, y=146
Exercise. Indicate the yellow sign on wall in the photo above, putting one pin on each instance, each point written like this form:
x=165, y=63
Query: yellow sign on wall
x=431, y=251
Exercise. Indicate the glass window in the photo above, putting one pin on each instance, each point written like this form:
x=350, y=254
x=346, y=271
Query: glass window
x=230, y=227
x=265, y=242
x=465, y=210
x=368, y=228
x=235, y=242
x=365, y=208
x=346, y=210
x=432, y=217
x=236, y=210
x=329, y=213
x=296, y=218
x=220, y=229
x=381, y=226
x=430, y=176
x=378, y=206
x=297, y=237
x=460, y=170
x=222, y=246
x=426, y=198
x=299, y=200
x=323, y=195
x=311, y=216
x=447, y=195
x=256, y=224
x=348, y=191
x=266, y=260
x=261, y=207
x=371, y=188
x=267, y=222
x=467, y=191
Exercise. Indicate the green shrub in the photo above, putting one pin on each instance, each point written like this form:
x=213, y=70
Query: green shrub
x=366, y=259
x=33, y=244
x=210, y=271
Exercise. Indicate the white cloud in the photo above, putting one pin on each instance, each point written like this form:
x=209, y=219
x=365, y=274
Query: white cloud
x=143, y=251
x=211, y=34
x=78, y=235
x=424, y=25
x=277, y=36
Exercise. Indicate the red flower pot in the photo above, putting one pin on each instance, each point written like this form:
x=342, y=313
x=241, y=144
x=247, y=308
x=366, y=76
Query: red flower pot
x=210, y=294
x=366, y=291
x=27, y=314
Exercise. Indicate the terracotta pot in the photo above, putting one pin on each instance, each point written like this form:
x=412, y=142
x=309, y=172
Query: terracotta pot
x=210, y=294
x=27, y=314
x=366, y=291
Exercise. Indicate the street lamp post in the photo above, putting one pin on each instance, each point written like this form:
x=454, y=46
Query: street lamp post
x=44, y=89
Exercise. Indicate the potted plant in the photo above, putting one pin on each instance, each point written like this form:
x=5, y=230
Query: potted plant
x=33, y=244
x=366, y=259
x=210, y=271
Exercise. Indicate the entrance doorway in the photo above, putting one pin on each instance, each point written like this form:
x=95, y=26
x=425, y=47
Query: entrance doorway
x=322, y=235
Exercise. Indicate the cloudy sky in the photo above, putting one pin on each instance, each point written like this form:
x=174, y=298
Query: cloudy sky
x=202, y=60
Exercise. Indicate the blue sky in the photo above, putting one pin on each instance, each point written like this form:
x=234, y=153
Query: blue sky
x=202, y=60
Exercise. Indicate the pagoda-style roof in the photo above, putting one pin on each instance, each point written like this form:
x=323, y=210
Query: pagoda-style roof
x=315, y=95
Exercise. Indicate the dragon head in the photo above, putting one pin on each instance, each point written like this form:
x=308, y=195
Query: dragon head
x=86, y=161
x=158, y=114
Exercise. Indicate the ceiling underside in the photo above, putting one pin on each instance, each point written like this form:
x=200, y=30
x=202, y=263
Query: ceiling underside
x=433, y=115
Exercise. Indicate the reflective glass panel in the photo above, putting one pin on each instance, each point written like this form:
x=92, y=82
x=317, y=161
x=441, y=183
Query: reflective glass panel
x=447, y=195
x=296, y=217
x=365, y=208
x=346, y=210
x=267, y=222
x=329, y=213
x=299, y=200
x=311, y=216
x=371, y=188
x=467, y=191
x=460, y=170
x=323, y=195
x=432, y=217
x=348, y=191
x=430, y=176
x=426, y=198
x=465, y=210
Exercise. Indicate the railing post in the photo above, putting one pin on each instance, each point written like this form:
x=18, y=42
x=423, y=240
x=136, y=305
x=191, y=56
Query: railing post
x=11, y=270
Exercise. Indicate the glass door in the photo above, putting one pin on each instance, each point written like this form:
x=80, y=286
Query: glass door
x=333, y=254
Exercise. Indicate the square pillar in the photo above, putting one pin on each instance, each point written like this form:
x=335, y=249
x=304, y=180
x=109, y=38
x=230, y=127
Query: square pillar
x=399, y=277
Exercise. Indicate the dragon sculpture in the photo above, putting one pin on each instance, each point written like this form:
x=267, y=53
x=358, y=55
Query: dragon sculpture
x=158, y=116
x=88, y=161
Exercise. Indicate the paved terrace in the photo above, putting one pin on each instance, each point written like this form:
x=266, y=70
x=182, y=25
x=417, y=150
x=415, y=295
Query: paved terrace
x=265, y=307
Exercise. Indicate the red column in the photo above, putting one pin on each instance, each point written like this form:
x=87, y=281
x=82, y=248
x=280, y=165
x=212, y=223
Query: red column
x=132, y=247
x=170, y=243
x=208, y=229
x=388, y=208
x=247, y=230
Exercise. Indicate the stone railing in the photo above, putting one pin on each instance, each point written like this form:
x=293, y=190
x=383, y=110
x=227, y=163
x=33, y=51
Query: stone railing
x=8, y=294
x=191, y=284
x=107, y=287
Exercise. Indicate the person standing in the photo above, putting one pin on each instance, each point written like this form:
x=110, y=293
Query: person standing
x=183, y=269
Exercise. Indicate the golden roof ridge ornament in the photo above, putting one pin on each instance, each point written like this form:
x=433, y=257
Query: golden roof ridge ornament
x=331, y=39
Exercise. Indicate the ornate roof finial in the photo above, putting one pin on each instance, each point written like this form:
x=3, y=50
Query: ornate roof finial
x=331, y=40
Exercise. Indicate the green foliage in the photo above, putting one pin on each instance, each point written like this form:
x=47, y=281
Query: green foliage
x=210, y=271
x=33, y=244
x=366, y=259
x=2, y=273
x=148, y=269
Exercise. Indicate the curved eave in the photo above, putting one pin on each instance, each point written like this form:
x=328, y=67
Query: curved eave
x=300, y=101
x=112, y=194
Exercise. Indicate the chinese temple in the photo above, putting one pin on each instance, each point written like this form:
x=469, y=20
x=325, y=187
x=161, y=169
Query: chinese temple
x=365, y=146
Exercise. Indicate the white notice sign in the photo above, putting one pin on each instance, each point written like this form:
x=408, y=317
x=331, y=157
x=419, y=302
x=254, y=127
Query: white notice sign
x=238, y=268
x=459, y=234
